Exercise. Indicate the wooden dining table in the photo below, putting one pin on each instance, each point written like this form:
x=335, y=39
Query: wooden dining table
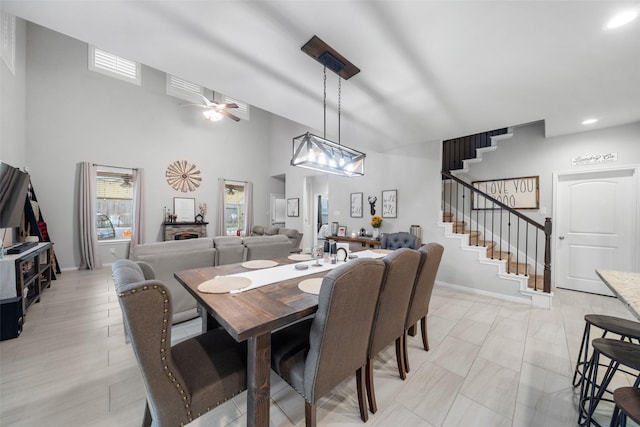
x=252, y=315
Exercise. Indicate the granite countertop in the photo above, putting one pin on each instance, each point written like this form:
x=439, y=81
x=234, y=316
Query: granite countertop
x=626, y=286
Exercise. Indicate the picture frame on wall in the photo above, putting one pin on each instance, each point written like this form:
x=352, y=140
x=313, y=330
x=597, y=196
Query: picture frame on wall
x=293, y=207
x=184, y=208
x=342, y=231
x=356, y=205
x=390, y=203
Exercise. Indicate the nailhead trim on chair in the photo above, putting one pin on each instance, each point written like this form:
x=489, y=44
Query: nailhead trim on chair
x=162, y=349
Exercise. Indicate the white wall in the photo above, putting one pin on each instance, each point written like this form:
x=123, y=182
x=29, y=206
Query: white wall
x=12, y=111
x=76, y=115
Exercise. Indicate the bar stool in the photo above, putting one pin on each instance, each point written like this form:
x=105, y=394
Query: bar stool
x=620, y=353
x=627, y=329
x=627, y=401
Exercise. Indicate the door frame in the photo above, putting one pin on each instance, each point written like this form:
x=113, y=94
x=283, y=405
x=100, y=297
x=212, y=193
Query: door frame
x=555, y=210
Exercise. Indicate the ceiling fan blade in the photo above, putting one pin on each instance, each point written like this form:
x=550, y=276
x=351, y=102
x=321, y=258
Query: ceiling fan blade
x=206, y=101
x=232, y=105
x=195, y=105
x=228, y=114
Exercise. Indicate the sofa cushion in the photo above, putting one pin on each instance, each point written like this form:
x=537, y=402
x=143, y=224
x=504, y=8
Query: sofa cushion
x=264, y=240
x=229, y=250
x=219, y=241
x=267, y=247
x=271, y=231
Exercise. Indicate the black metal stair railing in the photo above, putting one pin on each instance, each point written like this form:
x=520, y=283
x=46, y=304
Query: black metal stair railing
x=524, y=244
x=456, y=150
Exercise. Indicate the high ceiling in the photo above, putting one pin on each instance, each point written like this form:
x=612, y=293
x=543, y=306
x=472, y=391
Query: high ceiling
x=430, y=70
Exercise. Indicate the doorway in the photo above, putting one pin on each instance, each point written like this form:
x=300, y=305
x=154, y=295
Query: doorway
x=596, y=226
x=277, y=209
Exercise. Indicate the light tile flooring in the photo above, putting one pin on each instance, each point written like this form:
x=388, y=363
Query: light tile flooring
x=491, y=363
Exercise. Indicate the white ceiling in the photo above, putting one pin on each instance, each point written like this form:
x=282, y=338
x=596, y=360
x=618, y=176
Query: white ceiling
x=430, y=70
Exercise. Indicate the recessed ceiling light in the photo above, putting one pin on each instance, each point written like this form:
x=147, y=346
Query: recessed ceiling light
x=621, y=19
x=589, y=121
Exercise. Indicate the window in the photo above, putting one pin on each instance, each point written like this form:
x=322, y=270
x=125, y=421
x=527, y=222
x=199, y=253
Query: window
x=243, y=109
x=112, y=65
x=183, y=89
x=234, y=207
x=114, y=205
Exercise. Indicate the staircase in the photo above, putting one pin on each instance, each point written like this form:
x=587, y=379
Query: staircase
x=492, y=250
x=497, y=249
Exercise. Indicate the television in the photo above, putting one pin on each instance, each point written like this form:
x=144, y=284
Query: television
x=14, y=185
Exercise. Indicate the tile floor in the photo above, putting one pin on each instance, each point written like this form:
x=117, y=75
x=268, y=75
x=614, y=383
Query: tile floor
x=492, y=363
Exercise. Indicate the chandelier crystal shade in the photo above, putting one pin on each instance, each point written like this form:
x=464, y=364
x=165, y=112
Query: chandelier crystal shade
x=313, y=152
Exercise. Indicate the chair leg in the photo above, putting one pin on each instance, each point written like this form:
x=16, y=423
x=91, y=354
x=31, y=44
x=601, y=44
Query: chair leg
x=146, y=420
x=413, y=330
x=405, y=352
x=423, y=326
x=400, y=356
x=310, y=414
x=364, y=413
x=371, y=393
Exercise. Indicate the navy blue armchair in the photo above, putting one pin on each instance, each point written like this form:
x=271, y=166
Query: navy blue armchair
x=398, y=240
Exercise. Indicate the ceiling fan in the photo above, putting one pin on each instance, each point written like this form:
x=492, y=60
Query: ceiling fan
x=214, y=111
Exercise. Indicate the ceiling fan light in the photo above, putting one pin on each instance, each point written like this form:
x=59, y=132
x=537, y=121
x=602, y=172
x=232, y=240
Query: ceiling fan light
x=212, y=115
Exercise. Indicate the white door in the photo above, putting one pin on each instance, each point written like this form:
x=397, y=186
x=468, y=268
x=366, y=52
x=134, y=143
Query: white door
x=595, y=227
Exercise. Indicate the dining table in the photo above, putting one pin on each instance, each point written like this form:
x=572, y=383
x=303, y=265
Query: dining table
x=625, y=285
x=253, y=314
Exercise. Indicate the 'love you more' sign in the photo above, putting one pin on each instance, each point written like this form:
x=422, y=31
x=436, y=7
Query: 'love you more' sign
x=516, y=193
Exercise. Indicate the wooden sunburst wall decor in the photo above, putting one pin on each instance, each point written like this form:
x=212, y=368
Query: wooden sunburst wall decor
x=183, y=176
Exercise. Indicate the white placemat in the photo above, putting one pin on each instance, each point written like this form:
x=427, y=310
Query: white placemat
x=311, y=286
x=259, y=263
x=223, y=284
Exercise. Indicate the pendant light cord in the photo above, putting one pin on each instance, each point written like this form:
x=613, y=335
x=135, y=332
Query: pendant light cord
x=324, y=102
x=339, y=102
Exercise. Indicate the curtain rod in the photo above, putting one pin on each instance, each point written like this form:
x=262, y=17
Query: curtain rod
x=235, y=180
x=115, y=167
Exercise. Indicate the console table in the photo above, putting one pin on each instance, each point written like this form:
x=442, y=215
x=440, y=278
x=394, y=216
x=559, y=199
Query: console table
x=23, y=276
x=178, y=230
x=364, y=241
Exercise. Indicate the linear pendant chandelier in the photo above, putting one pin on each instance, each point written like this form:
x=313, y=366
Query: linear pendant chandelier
x=318, y=153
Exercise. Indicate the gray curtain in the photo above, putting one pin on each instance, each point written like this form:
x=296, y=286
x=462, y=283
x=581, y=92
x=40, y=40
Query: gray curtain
x=248, y=208
x=89, y=257
x=137, y=233
x=220, y=228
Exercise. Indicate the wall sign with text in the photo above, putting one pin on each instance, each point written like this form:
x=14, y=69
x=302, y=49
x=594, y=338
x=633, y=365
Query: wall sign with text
x=517, y=193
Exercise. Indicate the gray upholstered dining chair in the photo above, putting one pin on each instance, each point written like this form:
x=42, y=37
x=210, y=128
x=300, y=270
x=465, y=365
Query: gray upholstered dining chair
x=184, y=381
x=315, y=355
x=431, y=255
x=391, y=312
x=401, y=239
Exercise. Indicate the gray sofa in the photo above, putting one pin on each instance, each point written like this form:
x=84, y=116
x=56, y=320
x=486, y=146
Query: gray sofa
x=294, y=236
x=169, y=257
x=166, y=258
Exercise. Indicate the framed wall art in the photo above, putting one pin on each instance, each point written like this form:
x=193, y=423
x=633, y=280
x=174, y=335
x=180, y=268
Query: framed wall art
x=184, y=208
x=517, y=193
x=356, y=205
x=293, y=207
x=390, y=203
